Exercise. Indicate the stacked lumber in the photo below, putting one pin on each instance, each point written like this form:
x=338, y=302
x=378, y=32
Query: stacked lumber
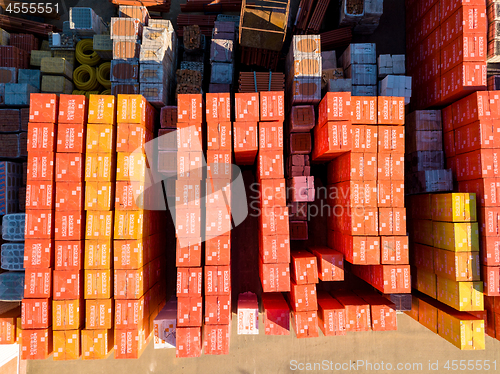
x=317, y=16
x=191, y=37
x=257, y=82
x=303, y=15
x=211, y=6
x=206, y=23
x=260, y=57
x=152, y=5
x=189, y=77
x=336, y=38
x=13, y=24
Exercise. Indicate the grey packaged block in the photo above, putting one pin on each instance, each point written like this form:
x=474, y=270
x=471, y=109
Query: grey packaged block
x=427, y=181
x=340, y=85
x=12, y=286
x=222, y=73
x=18, y=94
x=358, y=53
x=31, y=76
x=13, y=256
x=424, y=160
x=364, y=90
x=13, y=227
x=362, y=74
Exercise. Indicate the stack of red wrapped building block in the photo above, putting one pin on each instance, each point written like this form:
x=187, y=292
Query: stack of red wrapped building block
x=245, y=128
x=303, y=294
x=68, y=306
x=274, y=241
x=217, y=330
x=366, y=185
x=188, y=211
x=472, y=150
x=39, y=230
x=446, y=49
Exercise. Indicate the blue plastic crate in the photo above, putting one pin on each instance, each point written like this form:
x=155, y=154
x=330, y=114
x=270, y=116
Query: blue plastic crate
x=13, y=227
x=12, y=286
x=13, y=256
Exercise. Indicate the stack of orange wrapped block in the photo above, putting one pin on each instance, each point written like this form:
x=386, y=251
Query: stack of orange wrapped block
x=39, y=230
x=274, y=239
x=188, y=212
x=139, y=262
x=366, y=185
x=97, y=337
x=245, y=128
x=217, y=330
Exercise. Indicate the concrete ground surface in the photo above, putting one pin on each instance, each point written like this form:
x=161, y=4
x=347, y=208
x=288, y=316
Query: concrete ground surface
x=411, y=345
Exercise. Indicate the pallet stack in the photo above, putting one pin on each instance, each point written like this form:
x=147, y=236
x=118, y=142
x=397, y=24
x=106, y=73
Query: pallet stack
x=303, y=66
x=493, y=12
x=39, y=228
x=274, y=237
x=470, y=122
x=300, y=183
x=98, y=335
x=125, y=33
x=221, y=53
x=446, y=50
x=424, y=153
x=303, y=295
x=245, y=128
x=359, y=62
x=139, y=262
x=217, y=330
x=157, y=64
x=13, y=129
x=445, y=252
x=366, y=184
x=188, y=212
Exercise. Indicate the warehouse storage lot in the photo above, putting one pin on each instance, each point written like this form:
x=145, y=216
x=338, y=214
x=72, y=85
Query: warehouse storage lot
x=292, y=186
